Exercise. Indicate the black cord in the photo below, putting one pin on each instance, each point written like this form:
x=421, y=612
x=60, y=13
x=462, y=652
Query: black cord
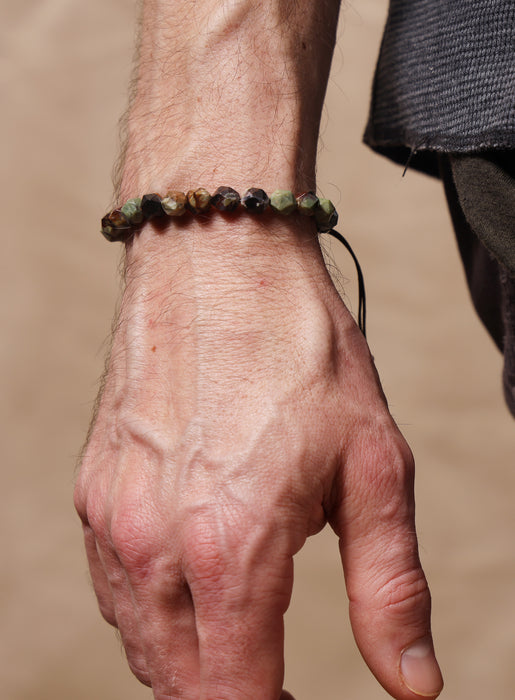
x=362, y=308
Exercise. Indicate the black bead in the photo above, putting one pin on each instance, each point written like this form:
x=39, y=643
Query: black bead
x=151, y=206
x=326, y=220
x=225, y=199
x=255, y=200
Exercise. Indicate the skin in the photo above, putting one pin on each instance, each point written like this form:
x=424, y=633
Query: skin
x=241, y=410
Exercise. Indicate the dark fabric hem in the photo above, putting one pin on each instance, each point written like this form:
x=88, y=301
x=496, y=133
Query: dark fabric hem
x=421, y=152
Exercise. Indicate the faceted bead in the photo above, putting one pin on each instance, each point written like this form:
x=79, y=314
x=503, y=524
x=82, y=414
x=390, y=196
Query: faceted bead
x=307, y=203
x=132, y=211
x=255, y=200
x=174, y=203
x=326, y=215
x=118, y=219
x=108, y=231
x=151, y=206
x=199, y=201
x=283, y=202
x=115, y=225
x=225, y=199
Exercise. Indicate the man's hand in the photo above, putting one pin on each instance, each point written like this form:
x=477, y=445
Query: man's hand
x=241, y=412
x=241, y=409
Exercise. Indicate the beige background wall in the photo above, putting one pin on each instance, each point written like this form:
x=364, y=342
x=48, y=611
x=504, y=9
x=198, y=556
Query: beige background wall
x=63, y=70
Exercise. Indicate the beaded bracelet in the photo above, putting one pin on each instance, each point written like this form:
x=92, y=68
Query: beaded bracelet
x=121, y=223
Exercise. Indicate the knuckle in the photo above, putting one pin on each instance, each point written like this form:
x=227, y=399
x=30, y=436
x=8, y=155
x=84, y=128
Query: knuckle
x=393, y=481
x=79, y=501
x=216, y=543
x=84, y=473
x=397, y=467
x=139, y=669
x=95, y=515
x=107, y=611
x=131, y=541
x=204, y=555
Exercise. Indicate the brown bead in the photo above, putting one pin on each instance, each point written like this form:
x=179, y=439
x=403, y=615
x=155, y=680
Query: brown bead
x=151, y=206
x=174, y=203
x=199, y=201
x=115, y=226
x=225, y=199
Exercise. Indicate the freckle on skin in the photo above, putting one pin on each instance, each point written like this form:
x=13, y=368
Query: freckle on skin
x=263, y=283
x=153, y=348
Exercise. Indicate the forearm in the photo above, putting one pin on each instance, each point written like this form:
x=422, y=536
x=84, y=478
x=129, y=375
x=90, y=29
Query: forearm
x=228, y=92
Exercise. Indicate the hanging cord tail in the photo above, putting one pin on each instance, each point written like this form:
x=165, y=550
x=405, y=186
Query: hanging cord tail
x=362, y=308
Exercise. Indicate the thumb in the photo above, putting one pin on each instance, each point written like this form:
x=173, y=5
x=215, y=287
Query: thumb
x=390, y=603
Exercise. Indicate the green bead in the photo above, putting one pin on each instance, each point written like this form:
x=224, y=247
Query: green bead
x=283, y=202
x=326, y=215
x=174, y=203
x=132, y=210
x=307, y=203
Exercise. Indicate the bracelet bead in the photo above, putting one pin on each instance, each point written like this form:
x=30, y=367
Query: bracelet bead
x=151, y=206
x=326, y=215
x=226, y=199
x=132, y=211
x=255, y=200
x=283, y=202
x=174, y=203
x=115, y=225
x=199, y=200
x=307, y=203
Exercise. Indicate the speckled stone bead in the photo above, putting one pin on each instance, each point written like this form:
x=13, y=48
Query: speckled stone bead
x=307, y=203
x=199, y=201
x=132, y=211
x=283, y=202
x=226, y=199
x=255, y=200
x=151, y=206
x=115, y=226
x=174, y=203
x=326, y=216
